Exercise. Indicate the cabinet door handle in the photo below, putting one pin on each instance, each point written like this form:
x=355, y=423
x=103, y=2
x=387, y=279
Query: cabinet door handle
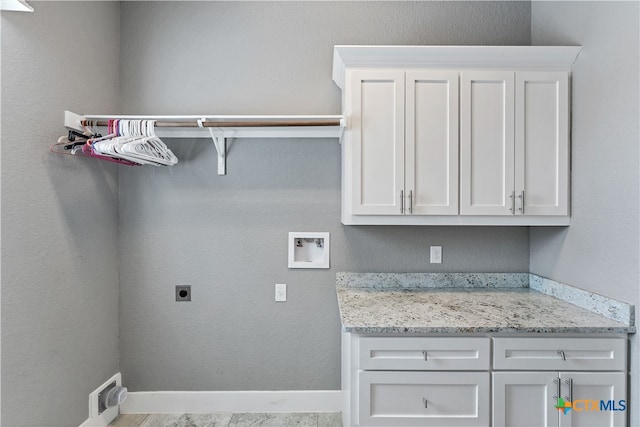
x=513, y=202
x=569, y=382
x=425, y=402
x=562, y=355
x=411, y=201
x=521, y=197
x=402, y=201
x=558, y=388
x=426, y=357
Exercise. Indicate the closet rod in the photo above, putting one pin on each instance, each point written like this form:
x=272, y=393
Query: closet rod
x=229, y=124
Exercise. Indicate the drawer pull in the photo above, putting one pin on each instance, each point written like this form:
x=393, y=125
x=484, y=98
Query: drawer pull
x=425, y=402
x=562, y=355
x=426, y=357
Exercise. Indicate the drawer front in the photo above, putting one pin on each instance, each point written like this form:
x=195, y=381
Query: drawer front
x=423, y=398
x=424, y=354
x=560, y=354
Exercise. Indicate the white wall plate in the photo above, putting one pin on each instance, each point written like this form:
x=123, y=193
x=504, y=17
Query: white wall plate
x=308, y=250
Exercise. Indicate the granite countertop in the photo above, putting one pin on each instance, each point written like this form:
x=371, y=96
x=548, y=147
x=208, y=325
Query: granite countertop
x=469, y=309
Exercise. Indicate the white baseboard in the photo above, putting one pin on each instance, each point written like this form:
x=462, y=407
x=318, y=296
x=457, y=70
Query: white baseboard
x=202, y=402
x=101, y=420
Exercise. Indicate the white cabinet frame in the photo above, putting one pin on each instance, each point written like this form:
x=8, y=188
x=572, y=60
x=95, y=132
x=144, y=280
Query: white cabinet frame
x=386, y=377
x=518, y=186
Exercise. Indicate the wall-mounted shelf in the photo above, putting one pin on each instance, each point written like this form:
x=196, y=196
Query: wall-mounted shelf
x=15, y=6
x=219, y=128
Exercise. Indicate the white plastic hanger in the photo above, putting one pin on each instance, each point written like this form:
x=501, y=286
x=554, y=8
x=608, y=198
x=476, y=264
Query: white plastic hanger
x=137, y=142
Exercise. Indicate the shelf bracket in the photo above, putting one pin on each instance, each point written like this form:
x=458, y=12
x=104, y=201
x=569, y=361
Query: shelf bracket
x=220, y=142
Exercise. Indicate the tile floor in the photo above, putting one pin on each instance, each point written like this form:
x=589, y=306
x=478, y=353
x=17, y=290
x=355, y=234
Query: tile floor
x=320, y=419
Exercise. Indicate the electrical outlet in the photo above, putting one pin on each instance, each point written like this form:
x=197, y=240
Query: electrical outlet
x=183, y=293
x=281, y=292
x=436, y=255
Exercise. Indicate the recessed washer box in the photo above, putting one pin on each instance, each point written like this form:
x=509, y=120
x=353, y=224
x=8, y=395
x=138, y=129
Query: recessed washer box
x=308, y=250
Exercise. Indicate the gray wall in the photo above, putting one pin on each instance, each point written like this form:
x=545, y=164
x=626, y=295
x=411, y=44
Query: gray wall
x=600, y=250
x=226, y=236
x=59, y=215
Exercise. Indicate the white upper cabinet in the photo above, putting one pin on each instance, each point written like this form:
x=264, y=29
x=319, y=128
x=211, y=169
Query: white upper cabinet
x=403, y=142
x=487, y=143
x=431, y=141
x=542, y=143
x=375, y=101
x=455, y=135
x=514, y=145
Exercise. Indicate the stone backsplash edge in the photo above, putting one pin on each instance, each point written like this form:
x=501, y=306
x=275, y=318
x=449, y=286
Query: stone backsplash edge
x=608, y=307
x=431, y=280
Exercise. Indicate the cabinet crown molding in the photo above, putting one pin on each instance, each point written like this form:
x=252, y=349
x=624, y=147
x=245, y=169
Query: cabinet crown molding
x=558, y=58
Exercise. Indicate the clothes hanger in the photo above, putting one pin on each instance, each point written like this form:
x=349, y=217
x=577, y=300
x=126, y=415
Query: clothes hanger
x=129, y=142
x=147, y=146
x=90, y=149
x=138, y=142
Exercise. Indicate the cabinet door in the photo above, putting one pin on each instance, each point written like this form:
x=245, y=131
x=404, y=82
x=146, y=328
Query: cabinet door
x=542, y=143
x=374, y=105
x=598, y=399
x=525, y=399
x=423, y=398
x=431, y=165
x=486, y=142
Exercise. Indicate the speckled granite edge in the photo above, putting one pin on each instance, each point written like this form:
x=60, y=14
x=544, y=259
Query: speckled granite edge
x=608, y=307
x=490, y=330
x=431, y=280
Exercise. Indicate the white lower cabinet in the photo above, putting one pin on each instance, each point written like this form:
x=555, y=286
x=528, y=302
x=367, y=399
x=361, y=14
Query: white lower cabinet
x=423, y=398
x=524, y=399
x=452, y=381
x=570, y=374
x=529, y=399
x=416, y=381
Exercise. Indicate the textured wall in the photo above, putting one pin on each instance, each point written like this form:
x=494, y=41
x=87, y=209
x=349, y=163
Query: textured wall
x=600, y=250
x=59, y=215
x=226, y=236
